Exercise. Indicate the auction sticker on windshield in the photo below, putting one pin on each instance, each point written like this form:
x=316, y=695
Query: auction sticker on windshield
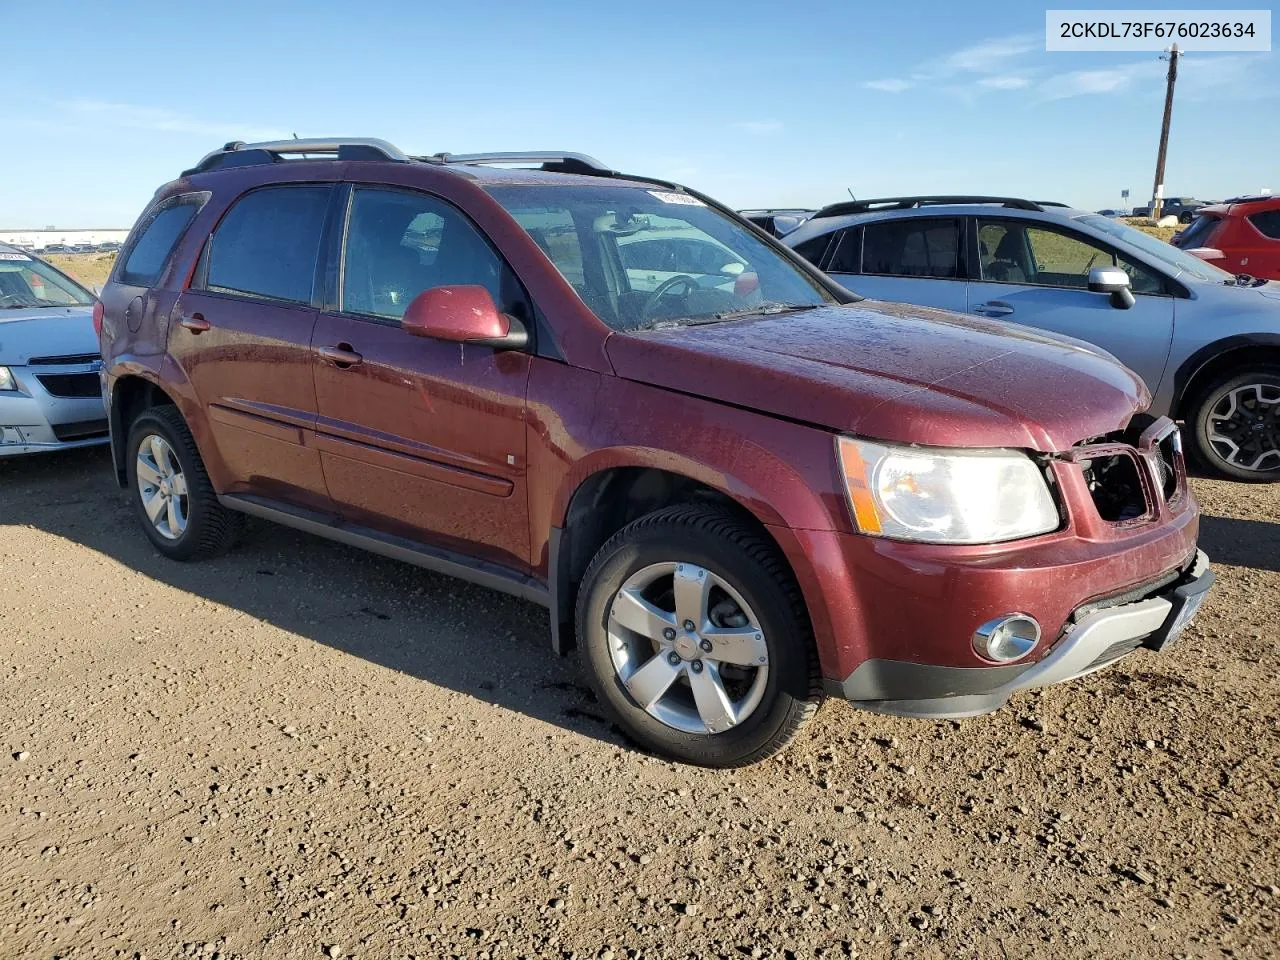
x=681, y=198
x=14, y=256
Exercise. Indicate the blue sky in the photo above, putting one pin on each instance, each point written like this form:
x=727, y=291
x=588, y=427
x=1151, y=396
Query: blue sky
x=758, y=103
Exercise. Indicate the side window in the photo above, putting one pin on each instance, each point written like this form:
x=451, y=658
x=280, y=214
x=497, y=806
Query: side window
x=815, y=248
x=1062, y=260
x=268, y=244
x=846, y=257
x=912, y=248
x=1010, y=252
x=1267, y=222
x=386, y=262
x=146, y=258
x=646, y=255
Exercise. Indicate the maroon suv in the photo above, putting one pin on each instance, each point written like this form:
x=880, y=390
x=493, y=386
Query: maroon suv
x=737, y=488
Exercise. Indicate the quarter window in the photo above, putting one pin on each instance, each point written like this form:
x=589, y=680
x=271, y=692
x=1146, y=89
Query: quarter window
x=268, y=244
x=912, y=248
x=1267, y=222
x=815, y=248
x=145, y=259
x=847, y=255
x=399, y=244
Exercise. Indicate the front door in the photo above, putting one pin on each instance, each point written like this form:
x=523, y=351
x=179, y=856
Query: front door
x=242, y=334
x=1036, y=274
x=418, y=437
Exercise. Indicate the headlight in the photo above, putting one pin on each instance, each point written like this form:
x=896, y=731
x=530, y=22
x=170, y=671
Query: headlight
x=945, y=496
x=6, y=379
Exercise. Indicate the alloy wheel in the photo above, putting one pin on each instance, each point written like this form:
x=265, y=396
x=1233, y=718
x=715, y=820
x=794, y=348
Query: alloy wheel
x=162, y=486
x=1244, y=427
x=688, y=648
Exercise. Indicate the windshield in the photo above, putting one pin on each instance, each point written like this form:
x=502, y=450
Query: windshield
x=28, y=282
x=1166, y=252
x=654, y=258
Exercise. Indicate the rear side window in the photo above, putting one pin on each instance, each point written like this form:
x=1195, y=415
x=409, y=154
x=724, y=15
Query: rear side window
x=1268, y=223
x=912, y=248
x=268, y=244
x=1197, y=235
x=145, y=259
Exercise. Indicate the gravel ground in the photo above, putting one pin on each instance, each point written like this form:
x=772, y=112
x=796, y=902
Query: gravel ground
x=299, y=750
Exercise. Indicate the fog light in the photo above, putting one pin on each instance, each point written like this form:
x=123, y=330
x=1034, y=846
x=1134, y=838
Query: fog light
x=1006, y=638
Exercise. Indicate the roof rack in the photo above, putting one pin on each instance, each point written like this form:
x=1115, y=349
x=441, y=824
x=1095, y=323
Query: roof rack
x=773, y=210
x=552, y=161
x=907, y=203
x=237, y=153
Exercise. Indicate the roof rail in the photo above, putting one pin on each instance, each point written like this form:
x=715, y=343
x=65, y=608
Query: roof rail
x=769, y=210
x=907, y=203
x=550, y=160
x=237, y=153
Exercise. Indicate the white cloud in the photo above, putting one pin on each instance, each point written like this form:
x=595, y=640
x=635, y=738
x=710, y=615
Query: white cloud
x=952, y=73
x=1007, y=81
x=990, y=56
x=133, y=116
x=889, y=85
x=1081, y=83
x=759, y=127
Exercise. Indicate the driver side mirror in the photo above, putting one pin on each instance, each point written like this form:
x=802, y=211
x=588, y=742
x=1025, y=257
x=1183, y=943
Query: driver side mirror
x=463, y=313
x=1114, y=281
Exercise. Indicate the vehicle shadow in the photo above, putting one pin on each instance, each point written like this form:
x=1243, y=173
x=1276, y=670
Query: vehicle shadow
x=441, y=630
x=1241, y=543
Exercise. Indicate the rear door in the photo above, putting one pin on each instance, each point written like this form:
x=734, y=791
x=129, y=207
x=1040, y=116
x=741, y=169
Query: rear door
x=914, y=260
x=242, y=334
x=421, y=438
x=1038, y=274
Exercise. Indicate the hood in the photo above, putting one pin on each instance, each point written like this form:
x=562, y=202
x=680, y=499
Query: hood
x=29, y=332
x=895, y=372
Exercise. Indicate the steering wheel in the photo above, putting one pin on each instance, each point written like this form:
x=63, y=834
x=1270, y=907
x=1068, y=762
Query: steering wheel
x=665, y=287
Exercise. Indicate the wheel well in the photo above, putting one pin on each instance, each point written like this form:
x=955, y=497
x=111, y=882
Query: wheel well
x=130, y=397
x=1237, y=358
x=605, y=503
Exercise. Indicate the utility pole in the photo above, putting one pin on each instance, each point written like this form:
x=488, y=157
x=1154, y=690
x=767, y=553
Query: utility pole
x=1157, y=189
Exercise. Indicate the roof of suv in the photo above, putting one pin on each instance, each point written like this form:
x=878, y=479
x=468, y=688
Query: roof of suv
x=529, y=167
x=848, y=213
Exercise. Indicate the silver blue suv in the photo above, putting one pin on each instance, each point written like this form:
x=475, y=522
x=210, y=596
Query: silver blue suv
x=1207, y=343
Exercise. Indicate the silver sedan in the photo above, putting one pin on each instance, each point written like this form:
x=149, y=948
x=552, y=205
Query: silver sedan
x=50, y=384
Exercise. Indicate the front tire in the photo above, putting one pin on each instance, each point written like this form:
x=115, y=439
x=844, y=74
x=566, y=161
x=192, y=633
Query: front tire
x=171, y=492
x=692, y=629
x=1237, y=425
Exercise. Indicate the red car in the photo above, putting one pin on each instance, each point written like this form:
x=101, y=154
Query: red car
x=737, y=491
x=1241, y=235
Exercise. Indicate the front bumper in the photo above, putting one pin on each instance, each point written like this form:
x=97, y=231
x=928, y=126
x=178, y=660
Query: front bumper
x=1098, y=635
x=33, y=420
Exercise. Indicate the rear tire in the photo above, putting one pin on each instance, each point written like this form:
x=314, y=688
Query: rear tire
x=732, y=691
x=1236, y=421
x=171, y=492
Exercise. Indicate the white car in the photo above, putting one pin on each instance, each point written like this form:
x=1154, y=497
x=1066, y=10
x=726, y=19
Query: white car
x=50, y=382
x=655, y=256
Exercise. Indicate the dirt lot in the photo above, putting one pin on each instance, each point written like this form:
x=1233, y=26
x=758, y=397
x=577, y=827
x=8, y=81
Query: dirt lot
x=303, y=751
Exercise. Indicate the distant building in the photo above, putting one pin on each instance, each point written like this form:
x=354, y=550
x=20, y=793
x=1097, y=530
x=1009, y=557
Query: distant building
x=71, y=239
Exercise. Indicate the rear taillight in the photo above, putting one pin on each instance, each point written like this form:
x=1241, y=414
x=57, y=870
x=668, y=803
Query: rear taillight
x=97, y=318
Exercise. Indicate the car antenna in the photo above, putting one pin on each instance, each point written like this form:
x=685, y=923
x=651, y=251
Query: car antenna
x=849, y=190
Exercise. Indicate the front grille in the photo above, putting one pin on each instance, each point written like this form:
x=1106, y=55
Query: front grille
x=80, y=430
x=71, y=384
x=68, y=361
x=1132, y=472
x=1116, y=487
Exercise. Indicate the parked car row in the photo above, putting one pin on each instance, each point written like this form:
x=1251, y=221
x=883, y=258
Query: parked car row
x=1184, y=208
x=737, y=486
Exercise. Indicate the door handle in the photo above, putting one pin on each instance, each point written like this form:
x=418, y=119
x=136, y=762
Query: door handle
x=195, y=323
x=341, y=356
x=994, y=308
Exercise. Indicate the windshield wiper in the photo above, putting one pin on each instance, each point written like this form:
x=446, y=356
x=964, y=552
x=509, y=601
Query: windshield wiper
x=763, y=310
